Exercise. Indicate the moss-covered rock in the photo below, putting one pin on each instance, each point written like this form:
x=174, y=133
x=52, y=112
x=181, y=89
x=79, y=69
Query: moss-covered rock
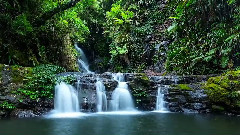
x=182, y=87
x=216, y=108
x=69, y=55
x=1, y=67
x=24, y=87
x=139, y=86
x=19, y=73
x=224, y=90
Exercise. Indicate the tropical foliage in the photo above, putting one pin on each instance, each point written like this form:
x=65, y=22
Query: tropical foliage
x=41, y=82
x=183, y=37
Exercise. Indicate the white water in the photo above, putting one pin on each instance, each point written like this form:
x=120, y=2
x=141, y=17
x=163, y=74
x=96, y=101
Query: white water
x=82, y=60
x=121, y=97
x=160, y=104
x=66, y=99
x=66, y=102
x=101, y=97
x=118, y=77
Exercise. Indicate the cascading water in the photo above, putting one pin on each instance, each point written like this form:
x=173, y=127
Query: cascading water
x=66, y=102
x=101, y=97
x=66, y=99
x=118, y=77
x=82, y=60
x=121, y=97
x=160, y=104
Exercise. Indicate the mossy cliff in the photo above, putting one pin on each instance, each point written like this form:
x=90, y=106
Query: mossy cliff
x=224, y=92
x=141, y=87
x=11, y=79
x=27, y=91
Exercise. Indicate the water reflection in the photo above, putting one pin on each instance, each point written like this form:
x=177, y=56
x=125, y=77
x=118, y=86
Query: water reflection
x=64, y=127
x=120, y=125
x=142, y=124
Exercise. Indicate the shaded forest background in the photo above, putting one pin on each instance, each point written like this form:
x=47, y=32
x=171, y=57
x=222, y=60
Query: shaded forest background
x=174, y=36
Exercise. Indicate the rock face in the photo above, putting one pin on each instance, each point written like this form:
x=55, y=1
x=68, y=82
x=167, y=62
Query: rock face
x=189, y=101
x=181, y=93
x=11, y=103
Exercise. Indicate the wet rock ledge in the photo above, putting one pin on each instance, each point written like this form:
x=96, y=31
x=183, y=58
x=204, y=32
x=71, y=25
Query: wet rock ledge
x=181, y=93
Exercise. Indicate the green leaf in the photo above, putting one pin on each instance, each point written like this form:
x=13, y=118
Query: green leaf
x=208, y=58
x=172, y=27
x=224, y=61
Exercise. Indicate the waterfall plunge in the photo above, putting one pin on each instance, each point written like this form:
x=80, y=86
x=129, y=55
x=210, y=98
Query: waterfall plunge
x=66, y=99
x=101, y=97
x=66, y=104
x=121, y=97
x=160, y=104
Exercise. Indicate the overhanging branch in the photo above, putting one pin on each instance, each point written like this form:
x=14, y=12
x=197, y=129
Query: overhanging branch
x=48, y=15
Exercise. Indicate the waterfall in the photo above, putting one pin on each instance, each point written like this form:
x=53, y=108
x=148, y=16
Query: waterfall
x=82, y=60
x=66, y=104
x=121, y=97
x=66, y=99
x=118, y=77
x=160, y=104
x=101, y=97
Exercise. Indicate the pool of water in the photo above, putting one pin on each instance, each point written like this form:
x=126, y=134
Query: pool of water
x=124, y=124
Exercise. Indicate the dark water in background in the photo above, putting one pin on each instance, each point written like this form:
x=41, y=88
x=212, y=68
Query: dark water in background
x=142, y=124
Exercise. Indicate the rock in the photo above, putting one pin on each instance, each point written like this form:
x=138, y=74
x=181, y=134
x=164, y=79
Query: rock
x=2, y=113
x=217, y=108
x=11, y=98
x=187, y=97
x=20, y=113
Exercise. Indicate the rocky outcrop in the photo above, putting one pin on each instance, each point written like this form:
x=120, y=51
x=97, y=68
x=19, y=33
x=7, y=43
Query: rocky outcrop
x=12, y=103
x=194, y=100
x=181, y=93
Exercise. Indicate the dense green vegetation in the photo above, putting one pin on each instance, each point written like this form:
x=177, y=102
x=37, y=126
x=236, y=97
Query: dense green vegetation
x=206, y=36
x=29, y=83
x=35, y=32
x=185, y=37
x=173, y=36
x=41, y=82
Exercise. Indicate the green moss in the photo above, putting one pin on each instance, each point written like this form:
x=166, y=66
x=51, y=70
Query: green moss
x=19, y=73
x=140, y=86
x=217, y=108
x=70, y=55
x=183, y=87
x=16, y=74
x=217, y=93
x=164, y=74
x=224, y=89
x=1, y=67
x=143, y=79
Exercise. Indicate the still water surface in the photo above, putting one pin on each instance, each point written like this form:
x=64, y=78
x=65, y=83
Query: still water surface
x=140, y=124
